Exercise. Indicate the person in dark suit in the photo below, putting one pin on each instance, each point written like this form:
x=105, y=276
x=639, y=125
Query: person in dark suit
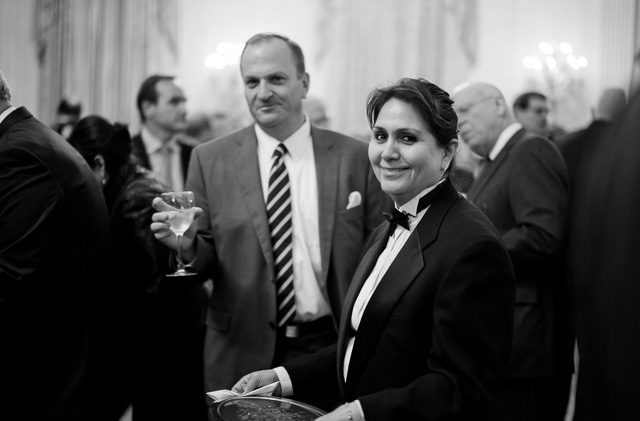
x=164, y=316
x=334, y=200
x=426, y=328
x=604, y=256
x=161, y=145
x=523, y=189
x=60, y=357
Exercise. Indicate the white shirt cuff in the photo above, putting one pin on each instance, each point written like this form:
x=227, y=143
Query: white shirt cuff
x=285, y=382
x=359, y=408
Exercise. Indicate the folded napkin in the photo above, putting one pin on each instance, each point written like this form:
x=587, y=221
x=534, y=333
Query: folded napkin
x=219, y=395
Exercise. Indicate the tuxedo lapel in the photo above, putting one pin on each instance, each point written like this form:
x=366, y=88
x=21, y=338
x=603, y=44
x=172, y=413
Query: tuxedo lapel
x=327, y=173
x=400, y=275
x=16, y=115
x=248, y=173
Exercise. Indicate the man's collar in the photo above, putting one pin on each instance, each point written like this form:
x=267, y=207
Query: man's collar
x=151, y=143
x=297, y=143
x=6, y=112
x=504, y=137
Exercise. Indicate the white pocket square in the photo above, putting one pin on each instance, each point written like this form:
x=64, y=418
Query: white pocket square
x=355, y=199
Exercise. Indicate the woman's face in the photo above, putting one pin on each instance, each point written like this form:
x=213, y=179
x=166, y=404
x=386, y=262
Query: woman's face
x=405, y=156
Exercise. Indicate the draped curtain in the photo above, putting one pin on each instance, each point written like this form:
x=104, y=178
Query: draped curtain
x=100, y=51
x=375, y=41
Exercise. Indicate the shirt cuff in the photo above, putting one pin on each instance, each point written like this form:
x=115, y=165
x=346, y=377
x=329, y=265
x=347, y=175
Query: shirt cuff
x=285, y=382
x=359, y=409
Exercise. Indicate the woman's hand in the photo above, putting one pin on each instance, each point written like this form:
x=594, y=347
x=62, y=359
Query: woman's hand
x=256, y=380
x=346, y=412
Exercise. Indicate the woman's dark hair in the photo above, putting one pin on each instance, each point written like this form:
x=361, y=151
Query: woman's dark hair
x=94, y=135
x=432, y=103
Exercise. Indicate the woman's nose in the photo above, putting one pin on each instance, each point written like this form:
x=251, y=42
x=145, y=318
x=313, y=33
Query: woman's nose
x=390, y=150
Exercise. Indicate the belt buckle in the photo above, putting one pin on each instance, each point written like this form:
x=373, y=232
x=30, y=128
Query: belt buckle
x=291, y=331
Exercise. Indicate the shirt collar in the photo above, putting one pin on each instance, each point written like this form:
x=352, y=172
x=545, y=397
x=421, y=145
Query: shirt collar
x=412, y=205
x=6, y=112
x=297, y=144
x=153, y=144
x=504, y=137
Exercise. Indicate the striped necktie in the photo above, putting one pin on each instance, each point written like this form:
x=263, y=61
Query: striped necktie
x=279, y=213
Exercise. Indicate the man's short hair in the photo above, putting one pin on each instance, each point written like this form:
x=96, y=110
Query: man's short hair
x=522, y=102
x=5, y=93
x=296, y=51
x=149, y=93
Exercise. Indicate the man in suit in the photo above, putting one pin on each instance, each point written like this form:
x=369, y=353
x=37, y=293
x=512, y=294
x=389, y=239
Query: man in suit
x=160, y=146
x=606, y=271
x=523, y=188
x=59, y=358
x=335, y=203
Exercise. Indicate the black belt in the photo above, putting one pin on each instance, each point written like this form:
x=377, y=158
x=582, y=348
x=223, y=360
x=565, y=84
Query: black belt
x=298, y=329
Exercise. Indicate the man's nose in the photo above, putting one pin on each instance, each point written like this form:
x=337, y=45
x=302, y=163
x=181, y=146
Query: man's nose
x=264, y=91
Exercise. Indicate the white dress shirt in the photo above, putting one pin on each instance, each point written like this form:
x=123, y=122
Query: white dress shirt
x=504, y=137
x=311, y=303
x=171, y=174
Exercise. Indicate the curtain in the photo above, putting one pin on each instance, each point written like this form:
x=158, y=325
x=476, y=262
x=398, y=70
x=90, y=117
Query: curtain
x=378, y=41
x=101, y=51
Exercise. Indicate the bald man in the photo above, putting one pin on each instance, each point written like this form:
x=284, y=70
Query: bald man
x=523, y=188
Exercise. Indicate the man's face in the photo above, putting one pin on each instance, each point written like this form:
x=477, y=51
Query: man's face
x=169, y=112
x=477, y=119
x=534, y=117
x=273, y=89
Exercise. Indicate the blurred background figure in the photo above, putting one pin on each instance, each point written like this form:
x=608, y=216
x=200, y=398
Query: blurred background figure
x=61, y=354
x=199, y=127
x=317, y=112
x=164, y=316
x=67, y=115
x=161, y=104
x=610, y=105
x=531, y=110
x=606, y=273
x=523, y=189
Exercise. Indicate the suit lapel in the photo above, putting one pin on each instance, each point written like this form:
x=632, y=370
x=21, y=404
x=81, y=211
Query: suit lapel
x=363, y=270
x=248, y=173
x=492, y=167
x=16, y=115
x=327, y=173
x=400, y=275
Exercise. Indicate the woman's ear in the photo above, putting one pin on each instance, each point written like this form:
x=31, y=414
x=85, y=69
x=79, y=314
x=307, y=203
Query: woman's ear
x=98, y=164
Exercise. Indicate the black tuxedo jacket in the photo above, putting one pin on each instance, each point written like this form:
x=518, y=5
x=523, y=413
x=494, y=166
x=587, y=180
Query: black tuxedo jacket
x=434, y=339
x=524, y=192
x=58, y=308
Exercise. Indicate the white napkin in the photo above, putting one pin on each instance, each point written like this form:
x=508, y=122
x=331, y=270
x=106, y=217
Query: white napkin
x=219, y=395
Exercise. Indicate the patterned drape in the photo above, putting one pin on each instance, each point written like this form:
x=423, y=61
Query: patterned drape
x=100, y=51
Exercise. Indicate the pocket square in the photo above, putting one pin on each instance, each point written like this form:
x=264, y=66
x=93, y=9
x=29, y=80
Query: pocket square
x=355, y=199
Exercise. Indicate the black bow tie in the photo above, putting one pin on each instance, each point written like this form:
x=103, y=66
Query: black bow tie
x=400, y=218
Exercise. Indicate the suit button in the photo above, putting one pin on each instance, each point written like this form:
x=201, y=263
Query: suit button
x=272, y=325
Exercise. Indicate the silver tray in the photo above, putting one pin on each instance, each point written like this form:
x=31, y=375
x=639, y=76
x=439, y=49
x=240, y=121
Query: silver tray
x=264, y=408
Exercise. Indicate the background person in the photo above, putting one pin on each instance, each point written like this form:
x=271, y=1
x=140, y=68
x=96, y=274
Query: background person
x=61, y=354
x=333, y=203
x=426, y=328
x=523, y=189
x=158, y=147
x=165, y=328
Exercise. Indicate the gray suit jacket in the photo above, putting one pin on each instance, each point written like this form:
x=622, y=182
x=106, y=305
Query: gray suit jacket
x=524, y=192
x=234, y=246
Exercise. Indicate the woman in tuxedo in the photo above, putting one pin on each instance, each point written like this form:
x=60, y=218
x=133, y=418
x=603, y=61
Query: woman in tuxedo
x=427, y=324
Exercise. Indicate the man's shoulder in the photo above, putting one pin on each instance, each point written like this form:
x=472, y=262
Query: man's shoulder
x=338, y=140
x=231, y=140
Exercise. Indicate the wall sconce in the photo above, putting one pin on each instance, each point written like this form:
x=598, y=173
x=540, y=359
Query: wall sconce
x=227, y=54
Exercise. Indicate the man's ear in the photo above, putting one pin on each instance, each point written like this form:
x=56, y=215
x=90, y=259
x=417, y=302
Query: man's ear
x=147, y=108
x=306, y=79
